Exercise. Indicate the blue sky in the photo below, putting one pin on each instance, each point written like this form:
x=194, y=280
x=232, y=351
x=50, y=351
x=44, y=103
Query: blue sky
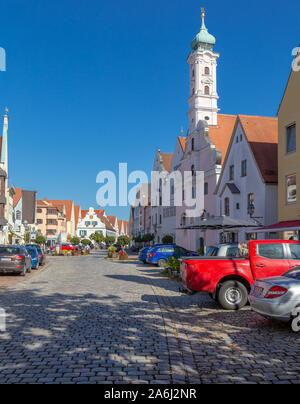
x=91, y=83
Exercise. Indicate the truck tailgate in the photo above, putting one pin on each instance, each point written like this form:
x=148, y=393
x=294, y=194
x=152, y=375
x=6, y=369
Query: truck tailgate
x=204, y=275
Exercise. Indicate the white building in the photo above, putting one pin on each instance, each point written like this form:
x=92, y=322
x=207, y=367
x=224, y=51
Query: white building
x=208, y=137
x=160, y=227
x=94, y=221
x=247, y=188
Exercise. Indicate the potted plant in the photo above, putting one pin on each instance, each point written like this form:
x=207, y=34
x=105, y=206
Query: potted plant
x=123, y=255
x=112, y=252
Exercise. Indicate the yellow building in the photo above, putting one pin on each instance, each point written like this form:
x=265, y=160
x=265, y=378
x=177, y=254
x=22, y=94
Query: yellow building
x=289, y=157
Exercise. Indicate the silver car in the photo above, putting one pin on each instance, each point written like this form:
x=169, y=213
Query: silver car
x=277, y=298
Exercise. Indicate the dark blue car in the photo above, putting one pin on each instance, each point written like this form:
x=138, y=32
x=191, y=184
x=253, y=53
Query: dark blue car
x=35, y=261
x=143, y=254
x=160, y=255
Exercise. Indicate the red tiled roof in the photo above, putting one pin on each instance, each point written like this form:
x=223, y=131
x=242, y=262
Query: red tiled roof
x=262, y=136
x=220, y=135
x=112, y=220
x=17, y=196
x=68, y=205
x=167, y=160
x=107, y=223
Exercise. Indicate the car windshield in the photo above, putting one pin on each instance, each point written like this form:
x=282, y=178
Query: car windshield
x=31, y=250
x=293, y=273
x=10, y=250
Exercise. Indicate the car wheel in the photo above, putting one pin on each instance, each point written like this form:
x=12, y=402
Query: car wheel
x=233, y=295
x=23, y=273
x=162, y=263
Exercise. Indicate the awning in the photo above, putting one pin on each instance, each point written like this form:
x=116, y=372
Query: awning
x=220, y=223
x=281, y=226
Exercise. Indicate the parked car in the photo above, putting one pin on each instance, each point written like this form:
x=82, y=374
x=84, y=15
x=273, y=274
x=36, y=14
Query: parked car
x=276, y=298
x=223, y=250
x=143, y=254
x=67, y=247
x=160, y=255
x=229, y=280
x=14, y=258
x=42, y=257
x=33, y=252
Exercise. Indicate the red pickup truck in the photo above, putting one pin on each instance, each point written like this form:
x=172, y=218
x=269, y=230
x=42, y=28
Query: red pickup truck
x=229, y=280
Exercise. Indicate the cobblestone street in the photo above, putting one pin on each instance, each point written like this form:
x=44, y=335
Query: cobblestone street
x=87, y=320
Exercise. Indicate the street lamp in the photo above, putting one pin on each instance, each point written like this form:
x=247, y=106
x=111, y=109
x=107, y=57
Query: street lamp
x=26, y=228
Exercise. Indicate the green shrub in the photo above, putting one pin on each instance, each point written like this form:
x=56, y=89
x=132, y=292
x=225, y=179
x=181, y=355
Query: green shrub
x=168, y=239
x=112, y=252
x=174, y=264
x=201, y=251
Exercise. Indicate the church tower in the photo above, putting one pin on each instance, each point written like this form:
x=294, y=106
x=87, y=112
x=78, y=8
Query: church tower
x=203, y=100
x=4, y=147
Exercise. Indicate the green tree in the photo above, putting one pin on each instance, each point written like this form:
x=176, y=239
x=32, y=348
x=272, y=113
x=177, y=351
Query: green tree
x=27, y=238
x=86, y=241
x=98, y=237
x=109, y=240
x=168, y=239
x=123, y=241
x=138, y=239
x=40, y=240
x=148, y=238
x=75, y=240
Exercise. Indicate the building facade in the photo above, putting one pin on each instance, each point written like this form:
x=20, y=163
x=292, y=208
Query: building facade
x=94, y=221
x=52, y=221
x=247, y=189
x=289, y=159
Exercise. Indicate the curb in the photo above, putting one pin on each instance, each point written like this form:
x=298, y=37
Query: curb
x=20, y=280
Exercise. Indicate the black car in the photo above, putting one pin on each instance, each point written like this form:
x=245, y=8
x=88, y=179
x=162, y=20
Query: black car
x=42, y=258
x=14, y=258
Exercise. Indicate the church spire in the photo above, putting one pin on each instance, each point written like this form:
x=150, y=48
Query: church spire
x=203, y=40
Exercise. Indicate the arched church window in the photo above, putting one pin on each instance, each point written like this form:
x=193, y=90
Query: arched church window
x=206, y=90
x=207, y=71
x=193, y=144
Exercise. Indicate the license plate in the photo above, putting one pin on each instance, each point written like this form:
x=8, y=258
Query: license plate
x=258, y=291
